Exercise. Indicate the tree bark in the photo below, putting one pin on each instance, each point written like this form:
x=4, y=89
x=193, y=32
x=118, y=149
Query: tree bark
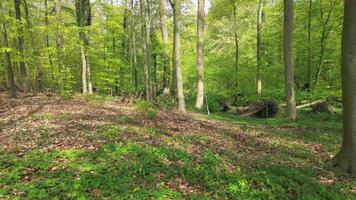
x=9, y=70
x=83, y=11
x=145, y=47
x=200, y=55
x=259, y=47
x=164, y=31
x=177, y=56
x=309, y=81
x=21, y=47
x=59, y=35
x=236, y=39
x=346, y=157
x=288, y=60
x=47, y=40
x=133, y=48
x=84, y=70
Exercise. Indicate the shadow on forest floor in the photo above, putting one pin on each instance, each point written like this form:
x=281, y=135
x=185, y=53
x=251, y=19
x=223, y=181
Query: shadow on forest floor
x=92, y=148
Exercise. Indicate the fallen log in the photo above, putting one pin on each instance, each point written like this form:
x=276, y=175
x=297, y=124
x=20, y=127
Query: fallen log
x=266, y=109
x=310, y=104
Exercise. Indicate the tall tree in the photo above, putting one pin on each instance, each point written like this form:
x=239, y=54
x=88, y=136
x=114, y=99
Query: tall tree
x=145, y=23
x=177, y=56
x=133, y=46
x=35, y=52
x=288, y=60
x=25, y=85
x=236, y=39
x=259, y=47
x=326, y=29
x=9, y=70
x=346, y=157
x=83, y=12
x=309, y=75
x=200, y=54
x=164, y=32
x=47, y=38
x=59, y=34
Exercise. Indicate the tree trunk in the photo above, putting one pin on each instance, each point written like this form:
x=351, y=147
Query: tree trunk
x=236, y=38
x=200, y=55
x=21, y=47
x=324, y=36
x=35, y=52
x=177, y=58
x=309, y=83
x=346, y=158
x=259, y=47
x=133, y=50
x=59, y=35
x=47, y=40
x=164, y=31
x=145, y=47
x=9, y=70
x=84, y=70
x=83, y=11
x=288, y=60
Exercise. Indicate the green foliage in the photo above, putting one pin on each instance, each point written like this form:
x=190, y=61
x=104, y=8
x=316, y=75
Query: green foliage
x=147, y=107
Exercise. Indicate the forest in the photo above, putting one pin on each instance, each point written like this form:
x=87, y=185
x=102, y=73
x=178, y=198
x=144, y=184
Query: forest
x=172, y=99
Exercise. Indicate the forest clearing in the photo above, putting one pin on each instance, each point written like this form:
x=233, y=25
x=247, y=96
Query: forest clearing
x=172, y=99
x=95, y=147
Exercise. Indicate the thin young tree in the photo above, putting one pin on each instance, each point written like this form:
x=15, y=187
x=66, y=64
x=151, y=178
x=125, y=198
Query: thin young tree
x=309, y=83
x=288, y=60
x=200, y=54
x=133, y=45
x=164, y=32
x=327, y=24
x=237, y=41
x=259, y=47
x=346, y=157
x=9, y=70
x=59, y=35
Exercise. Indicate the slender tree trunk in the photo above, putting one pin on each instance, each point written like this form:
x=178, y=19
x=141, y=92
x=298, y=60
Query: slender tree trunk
x=288, y=60
x=164, y=31
x=259, y=47
x=124, y=49
x=324, y=36
x=177, y=57
x=200, y=55
x=35, y=52
x=47, y=40
x=84, y=70
x=9, y=70
x=145, y=47
x=21, y=46
x=90, y=84
x=236, y=39
x=59, y=35
x=133, y=52
x=309, y=83
x=346, y=158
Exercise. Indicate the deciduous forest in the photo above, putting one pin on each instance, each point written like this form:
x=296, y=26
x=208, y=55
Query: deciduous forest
x=178, y=99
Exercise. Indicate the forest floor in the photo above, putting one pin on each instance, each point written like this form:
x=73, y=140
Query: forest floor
x=100, y=148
